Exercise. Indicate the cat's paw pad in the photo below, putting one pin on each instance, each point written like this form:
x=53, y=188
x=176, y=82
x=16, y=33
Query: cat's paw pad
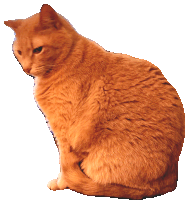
x=52, y=185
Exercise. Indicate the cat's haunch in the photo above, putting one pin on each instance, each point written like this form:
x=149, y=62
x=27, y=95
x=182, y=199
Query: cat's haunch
x=119, y=125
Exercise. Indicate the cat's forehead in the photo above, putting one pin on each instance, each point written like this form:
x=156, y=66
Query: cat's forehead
x=27, y=36
x=22, y=42
x=26, y=42
x=33, y=20
x=28, y=26
x=37, y=41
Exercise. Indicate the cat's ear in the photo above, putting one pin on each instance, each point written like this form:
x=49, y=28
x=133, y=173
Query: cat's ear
x=49, y=18
x=13, y=24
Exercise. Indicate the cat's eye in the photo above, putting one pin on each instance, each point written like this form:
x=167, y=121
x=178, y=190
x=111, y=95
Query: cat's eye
x=37, y=50
x=19, y=52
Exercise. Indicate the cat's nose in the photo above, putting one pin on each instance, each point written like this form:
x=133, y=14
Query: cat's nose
x=27, y=70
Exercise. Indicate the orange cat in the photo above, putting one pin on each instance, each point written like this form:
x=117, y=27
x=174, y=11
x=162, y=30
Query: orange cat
x=118, y=123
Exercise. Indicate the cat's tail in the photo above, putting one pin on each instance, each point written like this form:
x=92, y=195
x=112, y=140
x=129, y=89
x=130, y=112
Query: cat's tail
x=79, y=182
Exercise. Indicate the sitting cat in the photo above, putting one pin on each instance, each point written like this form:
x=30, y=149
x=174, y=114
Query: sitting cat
x=119, y=124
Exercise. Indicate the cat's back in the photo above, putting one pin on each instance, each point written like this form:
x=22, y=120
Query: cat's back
x=140, y=121
x=139, y=77
x=123, y=65
x=138, y=92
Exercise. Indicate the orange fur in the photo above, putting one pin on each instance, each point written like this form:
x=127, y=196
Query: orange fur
x=119, y=124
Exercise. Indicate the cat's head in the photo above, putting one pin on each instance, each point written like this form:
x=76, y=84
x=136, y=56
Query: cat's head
x=41, y=41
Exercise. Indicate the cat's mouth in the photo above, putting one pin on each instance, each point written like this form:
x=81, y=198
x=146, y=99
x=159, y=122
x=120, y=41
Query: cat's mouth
x=31, y=71
x=28, y=71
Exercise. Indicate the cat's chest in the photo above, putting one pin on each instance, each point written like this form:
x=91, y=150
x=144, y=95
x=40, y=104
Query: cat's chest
x=56, y=100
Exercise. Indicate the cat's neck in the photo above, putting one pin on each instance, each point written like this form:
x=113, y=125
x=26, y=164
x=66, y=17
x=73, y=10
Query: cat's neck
x=82, y=57
x=81, y=53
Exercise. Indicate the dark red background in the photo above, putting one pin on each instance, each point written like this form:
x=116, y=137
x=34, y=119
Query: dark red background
x=152, y=31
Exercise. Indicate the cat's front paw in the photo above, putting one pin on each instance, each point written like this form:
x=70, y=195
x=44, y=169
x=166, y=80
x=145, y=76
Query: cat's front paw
x=57, y=184
x=52, y=185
